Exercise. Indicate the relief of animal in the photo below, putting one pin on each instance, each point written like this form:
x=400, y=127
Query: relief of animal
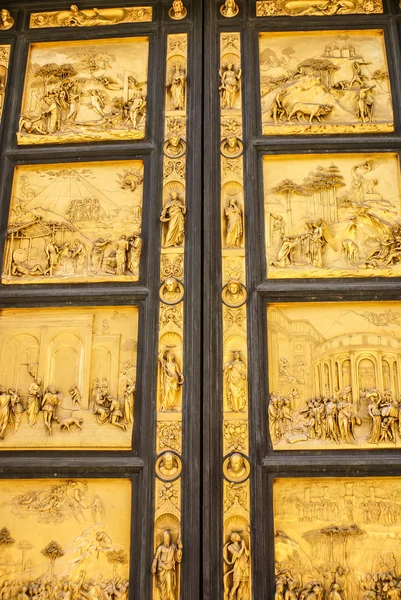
x=69, y=421
x=302, y=110
x=351, y=251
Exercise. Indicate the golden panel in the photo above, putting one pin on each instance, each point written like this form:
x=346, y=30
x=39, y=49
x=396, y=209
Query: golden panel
x=337, y=538
x=67, y=377
x=325, y=82
x=90, y=17
x=316, y=8
x=65, y=535
x=75, y=223
x=4, y=60
x=332, y=215
x=334, y=375
x=85, y=91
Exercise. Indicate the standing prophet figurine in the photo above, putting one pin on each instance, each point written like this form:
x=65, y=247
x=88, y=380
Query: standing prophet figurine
x=164, y=564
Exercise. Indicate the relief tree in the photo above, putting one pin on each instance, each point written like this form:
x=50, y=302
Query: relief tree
x=116, y=558
x=53, y=551
x=5, y=539
x=24, y=546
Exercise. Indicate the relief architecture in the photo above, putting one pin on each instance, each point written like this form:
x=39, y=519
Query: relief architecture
x=66, y=382
x=85, y=91
x=316, y=8
x=337, y=538
x=75, y=223
x=168, y=547
x=74, y=17
x=325, y=82
x=65, y=538
x=334, y=376
x=236, y=467
x=333, y=215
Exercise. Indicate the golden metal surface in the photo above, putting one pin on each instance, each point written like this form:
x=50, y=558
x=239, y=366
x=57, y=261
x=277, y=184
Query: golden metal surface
x=168, y=547
x=85, y=91
x=4, y=60
x=236, y=466
x=70, y=536
x=6, y=20
x=177, y=10
x=325, y=82
x=316, y=8
x=92, y=17
x=75, y=223
x=67, y=377
x=332, y=215
x=337, y=538
x=334, y=375
x=229, y=9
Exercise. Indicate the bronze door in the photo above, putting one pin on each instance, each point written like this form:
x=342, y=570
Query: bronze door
x=100, y=411
x=200, y=349
x=304, y=360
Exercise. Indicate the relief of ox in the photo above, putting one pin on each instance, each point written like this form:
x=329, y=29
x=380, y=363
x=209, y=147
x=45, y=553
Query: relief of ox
x=302, y=110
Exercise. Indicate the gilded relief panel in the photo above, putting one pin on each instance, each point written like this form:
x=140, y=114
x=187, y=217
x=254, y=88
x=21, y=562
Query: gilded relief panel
x=75, y=223
x=64, y=535
x=337, y=538
x=68, y=377
x=316, y=8
x=334, y=375
x=325, y=82
x=334, y=215
x=92, y=17
x=85, y=91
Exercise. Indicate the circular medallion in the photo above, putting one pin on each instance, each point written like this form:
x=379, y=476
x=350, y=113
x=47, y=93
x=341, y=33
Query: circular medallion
x=229, y=9
x=168, y=466
x=231, y=147
x=236, y=467
x=20, y=255
x=234, y=294
x=171, y=291
x=177, y=13
x=174, y=147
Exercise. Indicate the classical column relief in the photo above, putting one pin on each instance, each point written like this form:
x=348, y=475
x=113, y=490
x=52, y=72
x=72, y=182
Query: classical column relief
x=236, y=466
x=168, y=546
